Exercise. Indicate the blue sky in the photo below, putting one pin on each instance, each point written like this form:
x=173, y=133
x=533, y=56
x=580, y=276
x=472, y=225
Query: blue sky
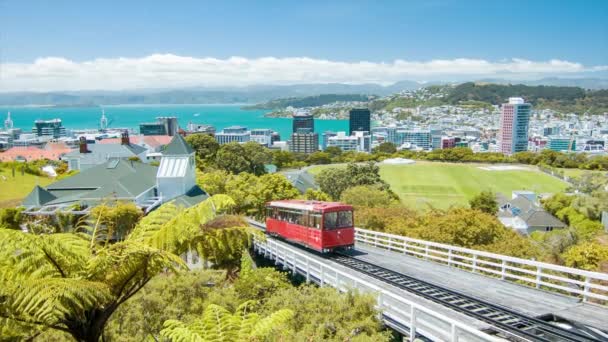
x=343, y=31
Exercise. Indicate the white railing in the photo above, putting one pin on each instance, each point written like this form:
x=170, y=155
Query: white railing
x=406, y=316
x=570, y=281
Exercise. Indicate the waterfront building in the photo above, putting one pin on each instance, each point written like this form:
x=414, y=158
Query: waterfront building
x=358, y=141
x=162, y=126
x=561, y=143
x=359, y=120
x=326, y=136
x=421, y=138
x=194, y=128
x=238, y=134
x=49, y=128
x=275, y=137
x=8, y=123
x=303, y=121
x=514, y=122
x=304, y=141
x=262, y=136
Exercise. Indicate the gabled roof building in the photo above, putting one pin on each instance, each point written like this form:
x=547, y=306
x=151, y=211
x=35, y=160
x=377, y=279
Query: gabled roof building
x=120, y=179
x=523, y=214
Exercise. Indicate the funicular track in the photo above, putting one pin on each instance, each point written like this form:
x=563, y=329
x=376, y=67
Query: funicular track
x=508, y=323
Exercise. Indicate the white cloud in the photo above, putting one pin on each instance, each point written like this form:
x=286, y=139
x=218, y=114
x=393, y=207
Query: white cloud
x=167, y=71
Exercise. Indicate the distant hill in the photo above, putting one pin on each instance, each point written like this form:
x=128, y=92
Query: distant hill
x=251, y=94
x=585, y=83
x=311, y=101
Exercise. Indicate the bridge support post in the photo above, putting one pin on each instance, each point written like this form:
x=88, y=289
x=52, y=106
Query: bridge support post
x=503, y=270
x=449, y=258
x=586, y=289
x=412, y=323
x=322, y=277
x=539, y=276
x=454, y=337
x=307, y=270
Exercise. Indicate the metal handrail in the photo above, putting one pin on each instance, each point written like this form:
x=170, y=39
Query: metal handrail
x=539, y=274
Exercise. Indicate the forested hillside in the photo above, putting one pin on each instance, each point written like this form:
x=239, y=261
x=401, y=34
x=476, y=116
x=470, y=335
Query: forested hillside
x=311, y=101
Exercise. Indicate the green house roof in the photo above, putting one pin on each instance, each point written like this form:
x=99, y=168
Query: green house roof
x=38, y=197
x=178, y=146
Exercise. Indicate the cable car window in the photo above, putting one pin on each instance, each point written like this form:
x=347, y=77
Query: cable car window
x=330, y=220
x=345, y=218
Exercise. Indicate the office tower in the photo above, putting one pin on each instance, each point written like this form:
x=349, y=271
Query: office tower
x=162, y=126
x=326, y=136
x=359, y=120
x=303, y=121
x=514, y=120
x=263, y=136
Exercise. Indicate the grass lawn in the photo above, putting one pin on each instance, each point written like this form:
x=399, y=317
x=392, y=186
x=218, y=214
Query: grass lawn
x=445, y=184
x=13, y=190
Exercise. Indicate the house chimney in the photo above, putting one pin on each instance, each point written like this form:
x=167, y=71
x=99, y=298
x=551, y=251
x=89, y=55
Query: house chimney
x=124, y=138
x=82, y=142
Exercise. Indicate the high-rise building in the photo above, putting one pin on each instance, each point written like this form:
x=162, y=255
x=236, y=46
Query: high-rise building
x=304, y=141
x=514, y=122
x=420, y=138
x=303, y=121
x=359, y=120
x=49, y=128
x=233, y=134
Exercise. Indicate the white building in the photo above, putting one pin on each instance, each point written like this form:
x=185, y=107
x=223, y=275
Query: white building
x=359, y=141
x=238, y=134
x=262, y=136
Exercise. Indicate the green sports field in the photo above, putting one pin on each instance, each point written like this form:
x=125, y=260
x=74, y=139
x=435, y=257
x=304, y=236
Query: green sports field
x=445, y=184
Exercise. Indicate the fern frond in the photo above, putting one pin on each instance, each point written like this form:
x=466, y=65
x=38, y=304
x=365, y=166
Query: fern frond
x=265, y=326
x=52, y=301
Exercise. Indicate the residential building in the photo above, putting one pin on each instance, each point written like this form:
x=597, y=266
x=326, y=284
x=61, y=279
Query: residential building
x=238, y=134
x=523, y=214
x=514, y=122
x=121, y=179
x=561, y=143
x=90, y=155
x=359, y=120
x=51, y=151
x=49, y=128
x=262, y=136
x=162, y=126
x=303, y=121
x=304, y=141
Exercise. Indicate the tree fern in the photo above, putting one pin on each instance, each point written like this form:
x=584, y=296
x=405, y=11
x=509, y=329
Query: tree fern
x=218, y=324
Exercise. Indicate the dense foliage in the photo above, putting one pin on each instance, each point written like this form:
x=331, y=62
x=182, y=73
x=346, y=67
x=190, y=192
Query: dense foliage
x=334, y=181
x=485, y=201
x=74, y=282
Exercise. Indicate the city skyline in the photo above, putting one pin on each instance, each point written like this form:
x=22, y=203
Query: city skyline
x=68, y=45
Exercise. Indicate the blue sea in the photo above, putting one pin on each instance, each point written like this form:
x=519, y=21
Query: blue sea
x=130, y=116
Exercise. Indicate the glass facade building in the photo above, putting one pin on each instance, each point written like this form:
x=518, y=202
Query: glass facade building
x=359, y=120
x=514, y=123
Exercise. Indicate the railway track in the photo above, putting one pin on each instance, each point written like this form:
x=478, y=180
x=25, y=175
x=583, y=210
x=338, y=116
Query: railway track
x=508, y=323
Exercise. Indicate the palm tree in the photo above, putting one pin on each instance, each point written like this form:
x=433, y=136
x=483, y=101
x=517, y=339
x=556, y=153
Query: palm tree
x=73, y=282
x=217, y=324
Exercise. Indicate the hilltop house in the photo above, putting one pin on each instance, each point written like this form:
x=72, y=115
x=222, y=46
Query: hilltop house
x=120, y=179
x=523, y=213
x=91, y=155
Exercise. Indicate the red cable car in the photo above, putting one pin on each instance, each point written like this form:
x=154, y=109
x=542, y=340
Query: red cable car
x=322, y=226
